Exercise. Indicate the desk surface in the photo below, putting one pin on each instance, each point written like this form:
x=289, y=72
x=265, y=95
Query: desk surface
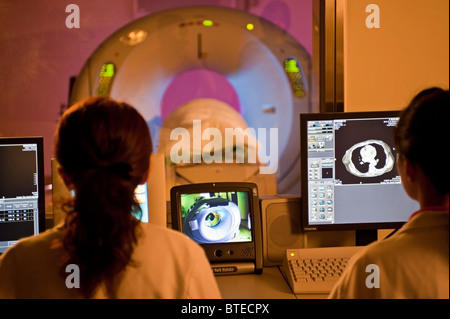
x=270, y=284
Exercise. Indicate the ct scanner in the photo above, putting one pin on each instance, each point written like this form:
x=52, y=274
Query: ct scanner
x=269, y=70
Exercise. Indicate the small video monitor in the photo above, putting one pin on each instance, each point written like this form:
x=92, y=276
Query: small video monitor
x=223, y=218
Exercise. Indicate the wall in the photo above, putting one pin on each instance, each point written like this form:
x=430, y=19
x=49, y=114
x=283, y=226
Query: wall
x=384, y=67
x=39, y=54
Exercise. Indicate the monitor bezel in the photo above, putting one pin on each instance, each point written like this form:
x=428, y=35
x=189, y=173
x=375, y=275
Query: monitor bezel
x=211, y=248
x=39, y=141
x=304, y=117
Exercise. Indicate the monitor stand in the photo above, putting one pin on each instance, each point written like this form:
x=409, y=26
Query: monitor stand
x=365, y=237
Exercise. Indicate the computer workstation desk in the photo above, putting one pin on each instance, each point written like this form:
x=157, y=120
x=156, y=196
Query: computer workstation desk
x=270, y=284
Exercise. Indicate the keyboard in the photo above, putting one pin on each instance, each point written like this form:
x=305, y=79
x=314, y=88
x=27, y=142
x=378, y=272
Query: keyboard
x=315, y=270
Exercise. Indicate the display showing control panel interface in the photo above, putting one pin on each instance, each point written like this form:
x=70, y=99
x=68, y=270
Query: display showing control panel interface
x=351, y=170
x=22, y=205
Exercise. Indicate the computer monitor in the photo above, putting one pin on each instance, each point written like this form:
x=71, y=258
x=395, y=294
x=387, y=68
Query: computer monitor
x=22, y=190
x=224, y=218
x=349, y=174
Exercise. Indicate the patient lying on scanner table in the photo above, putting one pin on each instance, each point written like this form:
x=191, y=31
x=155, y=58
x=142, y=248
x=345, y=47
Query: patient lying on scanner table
x=195, y=142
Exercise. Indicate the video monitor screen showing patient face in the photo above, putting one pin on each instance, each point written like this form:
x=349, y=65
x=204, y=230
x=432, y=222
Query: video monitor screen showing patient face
x=218, y=217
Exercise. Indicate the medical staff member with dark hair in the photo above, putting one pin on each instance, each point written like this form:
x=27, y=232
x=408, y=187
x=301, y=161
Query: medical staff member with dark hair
x=412, y=263
x=104, y=148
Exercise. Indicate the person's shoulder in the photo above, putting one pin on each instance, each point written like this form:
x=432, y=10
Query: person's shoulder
x=430, y=218
x=157, y=229
x=384, y=250
x=166, y=236
x=41, y=239
x=28, y=248
x=379, y=247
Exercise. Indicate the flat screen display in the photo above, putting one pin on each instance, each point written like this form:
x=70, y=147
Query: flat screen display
x=22, y=194
x=349, y=174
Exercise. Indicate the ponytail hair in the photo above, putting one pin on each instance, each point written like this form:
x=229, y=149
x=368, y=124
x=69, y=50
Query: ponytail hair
x=104, y=148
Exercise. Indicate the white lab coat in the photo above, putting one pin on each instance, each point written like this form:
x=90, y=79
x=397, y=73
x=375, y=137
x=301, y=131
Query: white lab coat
x=171, y=266
x=413, y=263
